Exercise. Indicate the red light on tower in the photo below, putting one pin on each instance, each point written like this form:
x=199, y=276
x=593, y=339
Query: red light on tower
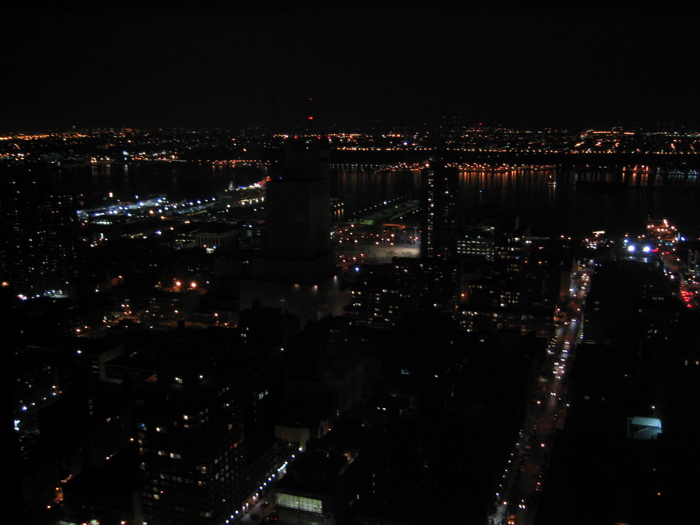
x=310, y=109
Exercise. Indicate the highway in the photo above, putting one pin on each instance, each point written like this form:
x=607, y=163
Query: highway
x=666, y=237
x=516, y=499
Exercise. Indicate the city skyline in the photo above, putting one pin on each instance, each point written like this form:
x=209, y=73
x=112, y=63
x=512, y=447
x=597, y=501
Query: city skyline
x=256, y=66
x=216, y=402
x=350, y=264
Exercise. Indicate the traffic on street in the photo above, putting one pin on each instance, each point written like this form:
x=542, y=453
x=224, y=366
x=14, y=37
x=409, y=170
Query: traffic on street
x=516, y=500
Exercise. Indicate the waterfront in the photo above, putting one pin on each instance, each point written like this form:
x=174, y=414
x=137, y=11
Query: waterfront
x=616, y=200
x=488, y=386
x=581, y=201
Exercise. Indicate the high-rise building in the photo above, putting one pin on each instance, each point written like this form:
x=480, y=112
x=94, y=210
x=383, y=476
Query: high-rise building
x=439, y=220
x=296, y=270
x=39, y=237
x=191, y=442
x=297, y=203
x=382, y=294
x=518, y=289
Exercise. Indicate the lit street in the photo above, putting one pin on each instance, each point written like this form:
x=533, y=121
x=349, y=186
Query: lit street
x=523, y=478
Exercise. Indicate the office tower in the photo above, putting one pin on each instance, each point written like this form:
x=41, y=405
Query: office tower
x=517, y=290
x=439, y=219
x=380, y=296
x=38, y=234
x=190, y=437
x=298, y=206
x=477, y=242
x=296, y=270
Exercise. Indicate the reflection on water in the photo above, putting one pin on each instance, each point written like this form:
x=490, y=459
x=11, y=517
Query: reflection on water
x=571, y=201
x=364, y=186
x=176, y=180
x=554, y=200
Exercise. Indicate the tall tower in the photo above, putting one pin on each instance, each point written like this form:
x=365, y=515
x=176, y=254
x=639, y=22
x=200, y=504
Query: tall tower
x=297, y=203
x=439, y=211
x=296, y=271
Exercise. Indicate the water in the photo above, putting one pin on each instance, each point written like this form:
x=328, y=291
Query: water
x=615, y=200
x=177, y=180
x=585, y=201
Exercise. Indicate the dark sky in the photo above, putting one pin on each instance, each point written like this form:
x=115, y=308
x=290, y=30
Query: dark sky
x=254, y=64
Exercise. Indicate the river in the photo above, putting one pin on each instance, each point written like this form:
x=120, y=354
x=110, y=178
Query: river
x=616, y=200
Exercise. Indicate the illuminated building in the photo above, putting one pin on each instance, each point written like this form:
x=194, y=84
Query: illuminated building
x=191, y=442
x=439, y=221
x=518, y=290
x=319, y=487
x=477, y=242
x=383, y=293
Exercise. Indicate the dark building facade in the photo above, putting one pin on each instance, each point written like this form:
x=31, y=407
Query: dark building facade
x=296, y=269
x=439, y=207
x=39, y=236
x=191, y=442
x=383, y=293
x=298, y=203
x=519, y=289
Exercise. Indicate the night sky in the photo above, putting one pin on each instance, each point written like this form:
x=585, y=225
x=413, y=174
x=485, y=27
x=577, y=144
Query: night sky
x=254, y=64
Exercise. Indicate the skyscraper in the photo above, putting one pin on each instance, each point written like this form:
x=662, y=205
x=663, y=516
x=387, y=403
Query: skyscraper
x=296, y=270
x=191, y=439
x=297, y=204
x=38, y=234
x=439, y=208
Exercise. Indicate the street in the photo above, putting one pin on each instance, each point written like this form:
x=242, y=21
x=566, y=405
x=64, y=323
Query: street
x=518, y=494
